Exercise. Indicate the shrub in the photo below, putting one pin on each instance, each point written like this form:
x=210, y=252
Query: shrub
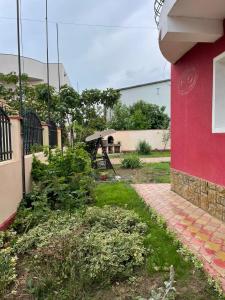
x=69, y=256
x=7, y=269
x=6, y=238
x=44, y=234
x=144, y=148
x=7, y=260
x=66, y=179
x=72, y=161
x=131, y=162
x=105, y=256
x=65, y=183
x=76, y=263
x=110, y=217
x=33, y=210
x=39, y=170
x=37, y=148
x=58, y=224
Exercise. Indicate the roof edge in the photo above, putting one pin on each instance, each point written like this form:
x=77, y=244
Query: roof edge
x=26, y=57
x=144, y=84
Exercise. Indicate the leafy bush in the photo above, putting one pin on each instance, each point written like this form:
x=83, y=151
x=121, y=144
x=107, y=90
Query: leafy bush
x=6, y=238
x=33, y=210
x=69, y=255
x=105, y=256
x=66, y=164
x=144, y=148
x=76, y=263
x=104, y=219
x=7, y=260
x=37, y=148
x=58, y=225
x=131, y=162
x=66, y=179
x=140, y=115
x=114, y=218
x=7, y=269
x=73, y=160
x=65, y=182
x=39, y=170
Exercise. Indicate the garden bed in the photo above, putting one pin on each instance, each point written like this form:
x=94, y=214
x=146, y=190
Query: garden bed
x=148, y=173
x=74, y=238
x=156, y=153
x=191, y=282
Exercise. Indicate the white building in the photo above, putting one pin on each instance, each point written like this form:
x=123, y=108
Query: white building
x=35, y=69
x=157, y=92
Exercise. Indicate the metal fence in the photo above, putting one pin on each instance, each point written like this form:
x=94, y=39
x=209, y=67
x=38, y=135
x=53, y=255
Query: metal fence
x=32, y=131
x=158, y=8
x=5, y=136
x=53, y=137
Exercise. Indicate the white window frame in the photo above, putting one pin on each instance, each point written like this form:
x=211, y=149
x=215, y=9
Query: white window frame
x=214, y=128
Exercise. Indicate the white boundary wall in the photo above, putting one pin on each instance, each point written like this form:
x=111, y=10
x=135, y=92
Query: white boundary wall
x=129, y=139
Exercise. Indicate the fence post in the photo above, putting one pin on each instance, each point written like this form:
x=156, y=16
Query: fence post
x=16, y=137
x=45, y=134
x=59, y=138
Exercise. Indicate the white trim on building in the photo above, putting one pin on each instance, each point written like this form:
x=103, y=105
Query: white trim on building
x=184, y=23
x=218, y=102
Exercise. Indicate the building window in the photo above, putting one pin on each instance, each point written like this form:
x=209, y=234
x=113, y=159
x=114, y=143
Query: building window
x=158, y=89
x=218, y=108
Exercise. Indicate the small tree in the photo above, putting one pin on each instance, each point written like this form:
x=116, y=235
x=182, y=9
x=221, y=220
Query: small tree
x=166, y=138
x=148, y=116
x=141, y=115
x=110, y=98
x=87, y=109
x=34, y=97
x=121, y=117
x=85, y=112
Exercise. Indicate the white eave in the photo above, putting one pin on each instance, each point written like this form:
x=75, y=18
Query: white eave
x=184, y=23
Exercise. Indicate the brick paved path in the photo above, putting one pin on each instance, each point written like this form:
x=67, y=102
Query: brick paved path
x=202, y=233
x=117, y=161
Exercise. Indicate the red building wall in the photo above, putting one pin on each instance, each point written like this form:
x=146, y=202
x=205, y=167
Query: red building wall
x=195, y=149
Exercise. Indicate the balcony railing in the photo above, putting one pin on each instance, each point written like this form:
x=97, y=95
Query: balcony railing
x=158, y=8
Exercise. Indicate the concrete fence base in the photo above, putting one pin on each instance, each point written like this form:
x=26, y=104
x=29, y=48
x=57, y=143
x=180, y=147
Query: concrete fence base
x=11, y=191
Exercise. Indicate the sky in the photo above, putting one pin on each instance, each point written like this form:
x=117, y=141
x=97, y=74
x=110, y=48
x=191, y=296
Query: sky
x=93, y=56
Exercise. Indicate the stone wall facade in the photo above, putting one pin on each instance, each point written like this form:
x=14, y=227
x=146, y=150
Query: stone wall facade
x=206, y=195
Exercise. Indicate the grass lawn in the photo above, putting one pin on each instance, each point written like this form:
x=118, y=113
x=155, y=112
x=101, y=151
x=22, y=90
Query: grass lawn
x=190, y=283
x=149, y=173
x=165, y=153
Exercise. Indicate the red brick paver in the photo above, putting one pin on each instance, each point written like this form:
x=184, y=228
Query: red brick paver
x=203, y=234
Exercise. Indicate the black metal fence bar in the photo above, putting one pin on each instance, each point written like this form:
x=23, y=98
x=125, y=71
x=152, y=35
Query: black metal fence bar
x=158, y=8
x=32, y=130
x=53, y=136
x=5, y=136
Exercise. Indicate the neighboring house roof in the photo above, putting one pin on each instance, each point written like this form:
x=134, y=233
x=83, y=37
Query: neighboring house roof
x=144, y=84
x=35, y=69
